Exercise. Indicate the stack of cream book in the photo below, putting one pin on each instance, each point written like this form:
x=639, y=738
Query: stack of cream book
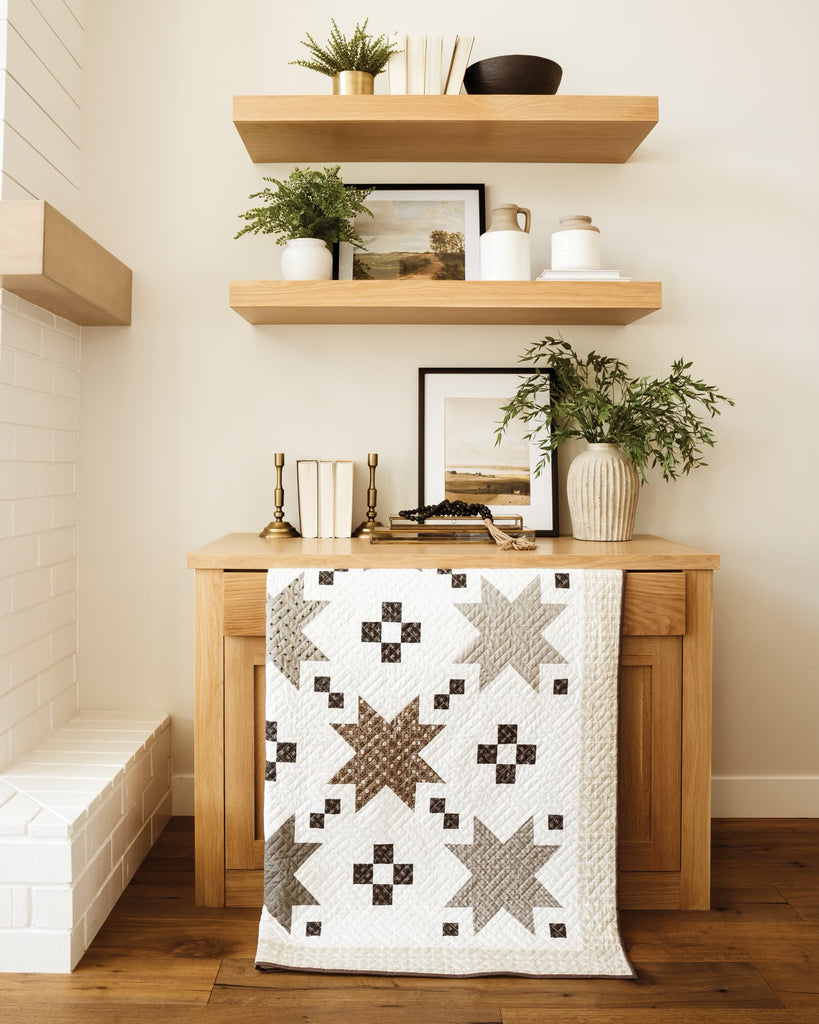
x=581, y=275
x=325, y=497
x=429, y=65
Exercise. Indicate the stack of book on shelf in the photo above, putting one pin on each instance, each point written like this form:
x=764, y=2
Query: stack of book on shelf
x=325, y=497
x=429, y=65
x=581, y=275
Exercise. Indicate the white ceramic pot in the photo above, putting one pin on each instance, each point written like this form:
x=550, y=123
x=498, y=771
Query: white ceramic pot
x=307, y=259
x=602, y=487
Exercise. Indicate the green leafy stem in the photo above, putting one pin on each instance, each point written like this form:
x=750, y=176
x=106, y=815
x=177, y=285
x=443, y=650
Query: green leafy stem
x=361, y=52
x=656, y=422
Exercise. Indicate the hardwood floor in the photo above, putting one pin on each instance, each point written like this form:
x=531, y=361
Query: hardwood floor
x=753, y=959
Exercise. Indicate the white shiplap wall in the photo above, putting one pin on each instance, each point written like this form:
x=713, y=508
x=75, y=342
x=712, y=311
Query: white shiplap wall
x=40, y=81
x=42, y=77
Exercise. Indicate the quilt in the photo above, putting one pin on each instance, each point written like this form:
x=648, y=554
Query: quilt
x=441, y=772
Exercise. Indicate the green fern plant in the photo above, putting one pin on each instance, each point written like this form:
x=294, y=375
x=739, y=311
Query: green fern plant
x=308, y=204
x=361, y=52
x=655, y=422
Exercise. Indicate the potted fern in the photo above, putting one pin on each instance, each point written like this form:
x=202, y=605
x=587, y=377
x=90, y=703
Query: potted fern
x=352, y=63
x=629, y=423
x=310, y=211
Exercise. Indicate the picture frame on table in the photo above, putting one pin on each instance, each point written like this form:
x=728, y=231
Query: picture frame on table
x=420, y=232
x=458, y=413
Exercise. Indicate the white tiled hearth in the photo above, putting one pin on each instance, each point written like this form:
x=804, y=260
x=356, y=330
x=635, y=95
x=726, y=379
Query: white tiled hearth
x=77, y=816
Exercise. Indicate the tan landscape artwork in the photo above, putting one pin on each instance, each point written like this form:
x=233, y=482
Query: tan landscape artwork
x=475, y=470
x=412, y=238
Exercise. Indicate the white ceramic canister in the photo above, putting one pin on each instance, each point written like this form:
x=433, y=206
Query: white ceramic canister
x=506, y=250
x=576, y=245
x=307, y=259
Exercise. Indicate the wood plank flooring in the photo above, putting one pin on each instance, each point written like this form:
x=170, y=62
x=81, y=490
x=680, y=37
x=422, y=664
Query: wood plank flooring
x=752, y=959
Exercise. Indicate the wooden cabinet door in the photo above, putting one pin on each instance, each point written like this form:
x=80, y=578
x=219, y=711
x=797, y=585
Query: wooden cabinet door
x=649, y=749
x=244, y=752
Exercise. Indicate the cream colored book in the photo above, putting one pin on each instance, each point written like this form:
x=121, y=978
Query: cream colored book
x=307, y=476
x=581, y=275
x=343, y=498
x=461, y=53
x=397, y=66
x=326, y=498
x=416, y=63
x=432, y=65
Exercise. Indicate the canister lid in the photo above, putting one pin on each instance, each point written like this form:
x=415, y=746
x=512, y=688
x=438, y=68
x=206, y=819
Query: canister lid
x=577, y=222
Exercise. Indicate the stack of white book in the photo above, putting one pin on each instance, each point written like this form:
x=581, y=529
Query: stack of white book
x=325, y=497
x=581, y=275
x=429, y=65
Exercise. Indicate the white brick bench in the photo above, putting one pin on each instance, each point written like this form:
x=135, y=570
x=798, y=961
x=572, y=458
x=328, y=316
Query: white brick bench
x=77, y=816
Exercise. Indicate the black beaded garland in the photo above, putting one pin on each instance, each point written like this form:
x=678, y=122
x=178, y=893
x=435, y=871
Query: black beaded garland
x=445, y=509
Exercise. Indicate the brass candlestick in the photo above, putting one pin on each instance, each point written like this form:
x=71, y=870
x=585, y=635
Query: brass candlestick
x=366, y=527
x=277, y=527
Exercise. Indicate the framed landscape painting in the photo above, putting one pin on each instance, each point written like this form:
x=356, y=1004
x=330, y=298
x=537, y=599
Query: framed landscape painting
x=426, y=232
x=459, y=411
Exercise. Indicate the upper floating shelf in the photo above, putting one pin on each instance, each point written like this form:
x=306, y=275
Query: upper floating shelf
x=444, y=302
x=48, y=260
x=492, y=129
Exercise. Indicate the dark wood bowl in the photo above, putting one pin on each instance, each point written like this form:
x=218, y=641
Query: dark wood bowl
x=514, y=74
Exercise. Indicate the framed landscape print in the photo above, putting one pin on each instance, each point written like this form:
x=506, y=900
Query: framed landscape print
x=427, y=232
x=459, y=411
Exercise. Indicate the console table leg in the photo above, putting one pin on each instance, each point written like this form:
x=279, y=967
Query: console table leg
x=209, y=836
x=695, y=875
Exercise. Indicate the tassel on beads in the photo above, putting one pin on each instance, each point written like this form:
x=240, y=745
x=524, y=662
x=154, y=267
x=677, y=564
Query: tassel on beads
x=505, y=542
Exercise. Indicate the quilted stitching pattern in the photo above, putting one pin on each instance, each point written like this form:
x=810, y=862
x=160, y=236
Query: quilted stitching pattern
x=452, y=808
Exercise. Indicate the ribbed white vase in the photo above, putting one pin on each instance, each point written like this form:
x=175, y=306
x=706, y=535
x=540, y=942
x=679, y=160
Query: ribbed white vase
x=602, y=488
x=307, y=259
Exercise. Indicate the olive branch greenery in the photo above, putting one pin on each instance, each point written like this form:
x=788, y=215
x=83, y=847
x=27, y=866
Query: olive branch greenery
x=361, y=52
x=656, y=422
x=308, y=204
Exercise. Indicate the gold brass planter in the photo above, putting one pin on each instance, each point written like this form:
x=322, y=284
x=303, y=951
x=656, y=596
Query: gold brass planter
x=353, y=83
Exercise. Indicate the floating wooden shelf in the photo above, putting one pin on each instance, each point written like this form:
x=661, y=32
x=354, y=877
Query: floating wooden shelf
x=47, y=260
x=510, y=129
x=444, y=302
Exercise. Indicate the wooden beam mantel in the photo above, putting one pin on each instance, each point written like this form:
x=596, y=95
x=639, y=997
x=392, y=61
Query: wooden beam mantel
x=48, y=260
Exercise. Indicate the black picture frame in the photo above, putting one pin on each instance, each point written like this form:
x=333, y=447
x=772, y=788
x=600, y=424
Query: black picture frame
x=452, y=403
x=417, y=211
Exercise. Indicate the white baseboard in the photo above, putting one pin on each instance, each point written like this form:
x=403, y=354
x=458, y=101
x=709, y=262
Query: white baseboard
x=765, y=796
x=182, y=794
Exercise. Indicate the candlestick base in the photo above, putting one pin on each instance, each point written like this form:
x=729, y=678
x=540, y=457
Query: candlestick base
x=365, y=529
x=274, y=529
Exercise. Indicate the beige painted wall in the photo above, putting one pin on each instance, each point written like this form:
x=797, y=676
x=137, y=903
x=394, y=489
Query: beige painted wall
x=182, y=412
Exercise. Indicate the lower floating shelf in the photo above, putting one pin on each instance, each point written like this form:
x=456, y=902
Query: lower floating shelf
x=444, y=302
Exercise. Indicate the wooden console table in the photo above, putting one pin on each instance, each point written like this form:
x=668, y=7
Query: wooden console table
x=665, y=701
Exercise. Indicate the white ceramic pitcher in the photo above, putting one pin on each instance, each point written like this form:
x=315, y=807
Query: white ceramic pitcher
x=506, y=251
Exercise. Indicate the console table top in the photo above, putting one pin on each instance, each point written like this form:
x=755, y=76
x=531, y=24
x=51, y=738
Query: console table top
x=243, y=551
